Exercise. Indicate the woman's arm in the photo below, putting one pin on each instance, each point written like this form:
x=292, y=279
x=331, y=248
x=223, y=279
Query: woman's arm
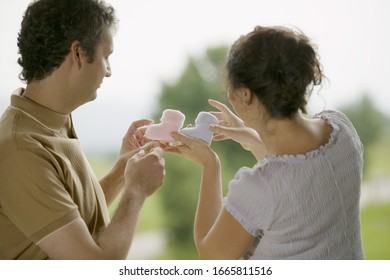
x=217, y=234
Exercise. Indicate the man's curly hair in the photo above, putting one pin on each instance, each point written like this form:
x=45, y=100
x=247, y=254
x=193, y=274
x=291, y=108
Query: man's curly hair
x=50, y=26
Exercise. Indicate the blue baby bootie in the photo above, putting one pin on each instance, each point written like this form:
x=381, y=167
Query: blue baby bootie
x=201, y=128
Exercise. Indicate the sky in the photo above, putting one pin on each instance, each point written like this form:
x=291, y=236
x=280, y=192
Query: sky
x=155, y=39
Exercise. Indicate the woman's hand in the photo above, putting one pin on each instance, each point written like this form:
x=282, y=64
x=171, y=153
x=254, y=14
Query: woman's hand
x=232, y=127
x=192, y=149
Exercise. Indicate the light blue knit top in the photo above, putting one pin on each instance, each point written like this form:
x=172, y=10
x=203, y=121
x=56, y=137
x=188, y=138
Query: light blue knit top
x=304, y=206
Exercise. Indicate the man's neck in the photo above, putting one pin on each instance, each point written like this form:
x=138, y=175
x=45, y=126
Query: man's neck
x=50, y=92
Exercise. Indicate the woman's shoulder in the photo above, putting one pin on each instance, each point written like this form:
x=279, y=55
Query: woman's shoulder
x=339, y=119
x=334, y=116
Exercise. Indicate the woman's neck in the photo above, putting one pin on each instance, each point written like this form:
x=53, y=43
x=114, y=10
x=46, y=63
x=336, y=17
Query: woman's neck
x=296, y=135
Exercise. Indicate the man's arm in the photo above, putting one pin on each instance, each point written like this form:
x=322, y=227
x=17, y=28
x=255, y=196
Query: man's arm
x=112, y=183
x=143, y=175
x=74, y=241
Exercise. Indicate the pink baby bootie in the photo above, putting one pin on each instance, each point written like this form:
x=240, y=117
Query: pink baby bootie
x=201, y=129
x=171, y=120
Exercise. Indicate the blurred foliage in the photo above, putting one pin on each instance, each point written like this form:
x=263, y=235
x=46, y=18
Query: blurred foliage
x=202, y=79
x=172, y=208
x=377, y=155
x=371, y=125
x=367, y=119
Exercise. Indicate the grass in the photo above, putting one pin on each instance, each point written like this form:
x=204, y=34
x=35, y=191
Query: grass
x=375, y=221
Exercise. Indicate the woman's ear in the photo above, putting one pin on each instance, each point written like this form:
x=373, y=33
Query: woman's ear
x=246, y=96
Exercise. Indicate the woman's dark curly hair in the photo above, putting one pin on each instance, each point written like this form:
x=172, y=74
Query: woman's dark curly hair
x=278, y=65
x=50, y=26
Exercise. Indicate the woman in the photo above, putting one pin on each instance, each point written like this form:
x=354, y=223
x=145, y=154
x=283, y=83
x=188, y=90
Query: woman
x=301, y=200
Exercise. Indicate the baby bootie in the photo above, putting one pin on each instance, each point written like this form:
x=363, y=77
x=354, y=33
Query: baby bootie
x=171, y=120
x=201, y=129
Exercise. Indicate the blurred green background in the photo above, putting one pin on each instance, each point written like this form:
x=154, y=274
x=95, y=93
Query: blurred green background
x=166, y=221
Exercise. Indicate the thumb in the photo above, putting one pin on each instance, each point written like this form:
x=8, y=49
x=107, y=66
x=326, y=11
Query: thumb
x=138, y=155
x=158, y=151
x=184, y=139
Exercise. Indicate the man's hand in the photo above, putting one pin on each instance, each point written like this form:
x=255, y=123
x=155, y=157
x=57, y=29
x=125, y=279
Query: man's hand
x=134, y=137
x=132, y=143
x=145, y=172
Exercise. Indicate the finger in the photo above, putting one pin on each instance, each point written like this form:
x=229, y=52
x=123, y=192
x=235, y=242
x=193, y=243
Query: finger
x=175, y=149
x=158, y=151
x=142, y=122
x=216, y=128
x=220, y=137
x=132, y=137
x=162, y=145
x=171, y=149
x=132, y=141
x=138, y=155
x=223, y=123
x=218, y=115
x=140, y=137
x=142, y=129
x=220, y=106
x=147, y=147
x=138, y=124
x=223, y=130
x=183, y=138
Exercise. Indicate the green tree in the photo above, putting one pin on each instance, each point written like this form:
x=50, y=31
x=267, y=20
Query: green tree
x=368, y=121
x=201, y=80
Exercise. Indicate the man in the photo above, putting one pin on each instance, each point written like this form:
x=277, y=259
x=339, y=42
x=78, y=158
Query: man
x=51, y=204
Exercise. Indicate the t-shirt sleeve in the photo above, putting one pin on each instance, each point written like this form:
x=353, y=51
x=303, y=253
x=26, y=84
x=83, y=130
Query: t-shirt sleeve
x=249, y=201
x=33, y=196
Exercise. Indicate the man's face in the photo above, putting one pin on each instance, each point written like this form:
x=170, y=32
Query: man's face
x=93, y=73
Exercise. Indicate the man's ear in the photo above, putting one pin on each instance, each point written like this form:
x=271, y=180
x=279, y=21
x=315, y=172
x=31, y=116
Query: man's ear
x=75, y=52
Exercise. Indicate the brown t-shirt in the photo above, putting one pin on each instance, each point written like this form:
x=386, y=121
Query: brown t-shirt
x=45, y=179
